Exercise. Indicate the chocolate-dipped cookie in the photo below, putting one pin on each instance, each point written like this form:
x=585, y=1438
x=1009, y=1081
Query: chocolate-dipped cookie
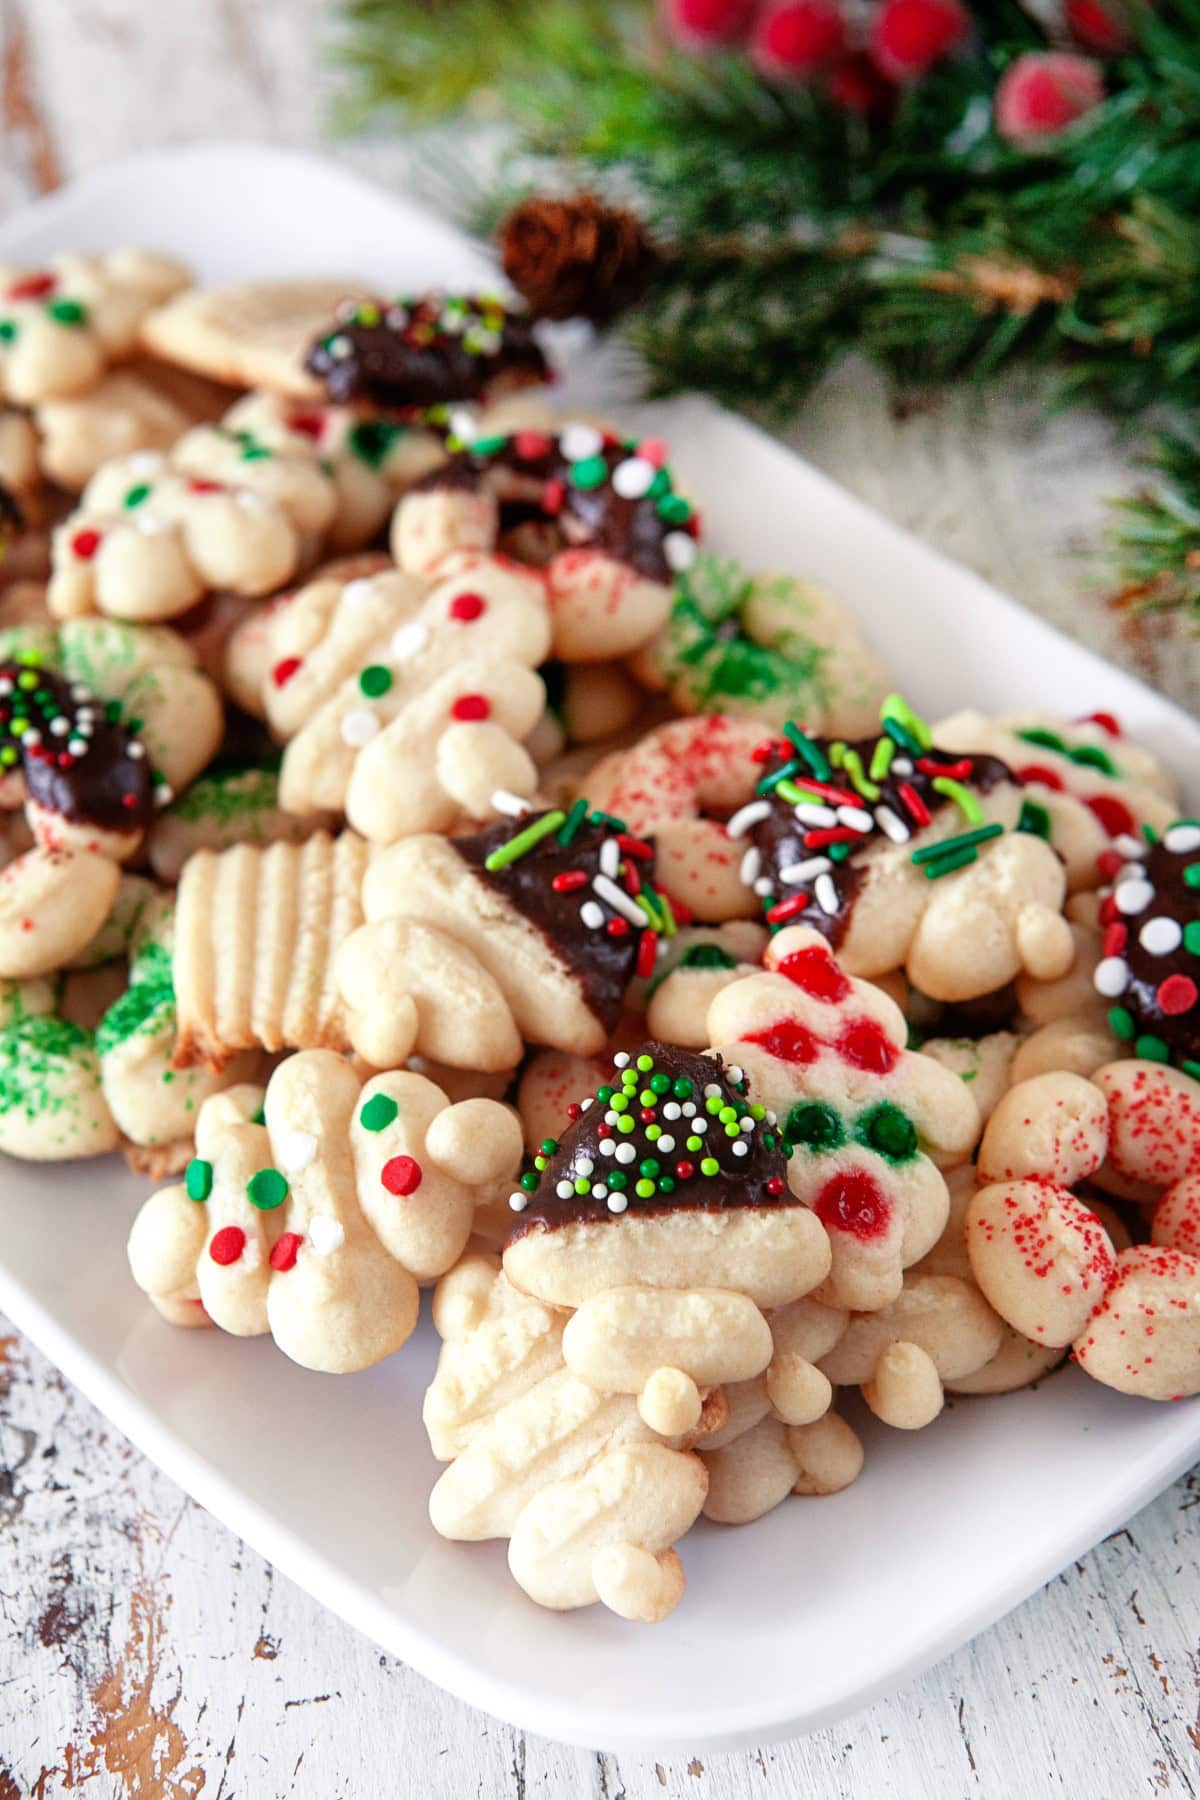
x=1150, y=967
x=426, y=351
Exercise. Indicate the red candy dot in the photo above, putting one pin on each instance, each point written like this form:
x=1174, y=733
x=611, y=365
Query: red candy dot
x=1115, y=940
x=853, y=1201
x=1108, y=862
x=85, y=544
x=227, y=1244
x=574, y=1110
x=1177, y=994
x=283, y=671
x=309, y=424
x=199, y=486
x=789, y=1040
x=814, y=972
x=1040, y=773
x=1107, y=721
x=647, y=1115
x=283, y=1253
x=1113, y=814
x=617, y=928
x=553, y=495
x=529, y=445
x=401, y=1175
x=467, y=607
x=471, y=706
x=684, y=1170
x=864, y=1046
x=33, y=287
x=129, y=801
x=653, y=450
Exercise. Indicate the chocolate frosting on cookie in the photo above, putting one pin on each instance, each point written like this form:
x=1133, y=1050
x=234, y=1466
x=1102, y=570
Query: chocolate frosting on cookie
x=429, y=351
x=552, y=885
x=12, y=517
x=602, y=493
x=76, y=762
x=674, y=1131
x=1150, y=969
x=828, y=800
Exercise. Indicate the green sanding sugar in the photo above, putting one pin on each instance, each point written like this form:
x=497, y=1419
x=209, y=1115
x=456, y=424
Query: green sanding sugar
x=32, y=1057
x=229, y=798
x=147, y=1005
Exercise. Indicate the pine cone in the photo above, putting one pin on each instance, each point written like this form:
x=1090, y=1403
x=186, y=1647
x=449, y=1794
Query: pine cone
x=575, y=259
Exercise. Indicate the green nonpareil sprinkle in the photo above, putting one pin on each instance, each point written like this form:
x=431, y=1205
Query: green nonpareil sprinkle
x=1034, y=819
x=524, y=841
x=573, y=821
x=962, y=797
x=951, y=845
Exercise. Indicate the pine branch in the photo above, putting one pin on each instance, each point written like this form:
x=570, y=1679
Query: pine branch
x=1158, y=537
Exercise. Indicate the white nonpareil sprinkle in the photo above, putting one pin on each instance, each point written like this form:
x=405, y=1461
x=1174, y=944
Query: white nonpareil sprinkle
x=583, y=1104
x=826, y=895
x=359, y=727
x=297, y=1151
x=578, y=441
x=746, y=817
x=809, y=812
x=339, y=347
x=672, y=1110
x=617, y=1203
x=592, y=915
x=805, y=871
x=1132, y=896
x=764, y=885
x=740, y=1147
x=735, y=1072
x=359, y=593
x=610, y=857
x=464, y=425
x=164, y=793
x=78, y=692
x=891, y=824
x=621, y=1059
x=1181, y=839
x=512, y=804
x=632, y=478
x=1160, y=936
x=599, y=1190
x=517, y=1202
x=60, y=726
x=751, y=866
x=607, y=1146
x=610, y=1119
x=665, y=1143
x=136, y=751
x=325, y=1234
x=689, y=1109
x=680, y=550
x=77, y=746
x=620, y=901
x=711, y=1089
x=625, y=1153
x=700, y=1123
x=1111, y=976
x=584, y=1166
x=901, y=765
x=32, y=739
x=745, y=1124
x=564, y=1189
x=1130, y=846
x=856, y=817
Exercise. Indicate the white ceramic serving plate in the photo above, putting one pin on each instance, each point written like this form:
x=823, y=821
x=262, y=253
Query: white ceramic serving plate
x=824, y=1605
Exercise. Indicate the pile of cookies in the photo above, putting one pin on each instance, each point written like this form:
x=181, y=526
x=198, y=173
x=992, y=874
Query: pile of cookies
x=427, y=857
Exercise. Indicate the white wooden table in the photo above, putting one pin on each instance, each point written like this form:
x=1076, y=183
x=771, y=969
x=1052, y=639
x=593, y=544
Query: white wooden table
x=145, y=1651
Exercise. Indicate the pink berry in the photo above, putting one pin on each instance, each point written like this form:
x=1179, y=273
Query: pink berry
x=857, y=87
x=707, y=24
x=1043, y=92
x=909, y=36
x=1102, y=25
x=797, y=39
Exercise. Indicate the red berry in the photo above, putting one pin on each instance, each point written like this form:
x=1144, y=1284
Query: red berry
x=706, y=24
x=797, y=39
x=1043, y=92
x=466, y=607
x=909, y=36
x=1102, y=25
x=401, y=1175
x=857, y=87
x=471, y=706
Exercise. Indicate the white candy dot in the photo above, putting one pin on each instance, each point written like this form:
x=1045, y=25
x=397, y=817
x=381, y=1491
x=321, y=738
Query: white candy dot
x=666, y=1143
x=464, y=425
x=689, y=1109
x=517, y=1202
x=145, y=462
x=599, y=1190
x=770, y=1119
x=564, y=1189
x=617, y=1203
x=700, y=1124
x=60, y=726
x=607, y=1146
x=1133, y=896
x=621, y=1059
x=1181, y=839
x=764, y=885
x=679, y=548
x=358, y=593
x=136, y=751
x=672, y=1110
x=745, y=1124
x=740, y=1147
x=625, y=1153
x=578, y=441
x=633, y=477
x=32, y=739
x=1111, y=977
x=153, y=524
x=735, y=1072
x=297, y=1151
x=358, y=728
x=592, y=914
x=326, y=1235
x=711, y=1090
x=584, y=1104
x=409, y=639
x=1160, y=936
x=584, y=1166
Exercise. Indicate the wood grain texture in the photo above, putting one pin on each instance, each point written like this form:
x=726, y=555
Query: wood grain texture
x=146, y=1652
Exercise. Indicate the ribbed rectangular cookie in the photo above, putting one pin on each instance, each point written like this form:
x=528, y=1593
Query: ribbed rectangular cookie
x=256, y=933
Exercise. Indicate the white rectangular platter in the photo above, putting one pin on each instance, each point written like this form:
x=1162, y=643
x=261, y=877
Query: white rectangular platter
x=815, y=1610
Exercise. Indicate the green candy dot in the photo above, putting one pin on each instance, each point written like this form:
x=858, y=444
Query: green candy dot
x=28, y=680
x=582, y=1185
x=713, y=1104
x=625, y=1123
x=758, y=1114
x=8, y=331
x=726, y=1113
x=682, y=1088
x=660, y=1084
x=649, y=1167
x=618, y=1180
x=1120, y=1021
x=620, y=1103
x=267, y=1189
x=644, y=1189
x=548, y=1146
x=67, y=312
x=1192, y=1069
x=539, y=1162
x=768, y=1140
x=653, y=1131
x=673, y=509
x=604, y=1095
x=732, y=1131
x=136, y=494
x=666, y=1184
x=375, y=680
x=378, y=1113
x=8, y=756
x=529, y=1181
x=645, y=1064
x=1191, y=936
x=198, y=1179
x=660, y=485
x=694, y=1143
x=1152, y=1049
x=709, y=1166
x=706, y=956
x=889, y=1131
x=1191, y=875
x=815, y=1125
x=588, y=472
x=646, y=1097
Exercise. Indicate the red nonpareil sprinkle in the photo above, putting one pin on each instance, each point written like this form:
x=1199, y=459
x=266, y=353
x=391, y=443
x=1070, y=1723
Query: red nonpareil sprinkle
x=647, y=950
x=129, y=801
x=574, y=1110
x=775, y=1186
x=284, y=1251
x=1107, y=722
x=1108, y=913
x=1108, y=862
x=308, y=424
x=1115, y=939
x=831, y=834
x=471, y=706
x=199, y=485
x=227, y=1244
x=787, y=909
x=684, y=1170
x=1112, y=813
x=633, y=846
x=682, y=911
x=85, y=544
x=769, y=747
x=617, y=928
x=569, y=880
x=1177, y=994
x=401, y=1175
x=913, y=802
x=33, y=287
x=814, y=972
x=553, y=495
x=466, y=607
x=957, y=771
x=64, y=759
x=1042, y=775
x=530, y=445
x=283, y=671
x=653, y=450
x=632, y=880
